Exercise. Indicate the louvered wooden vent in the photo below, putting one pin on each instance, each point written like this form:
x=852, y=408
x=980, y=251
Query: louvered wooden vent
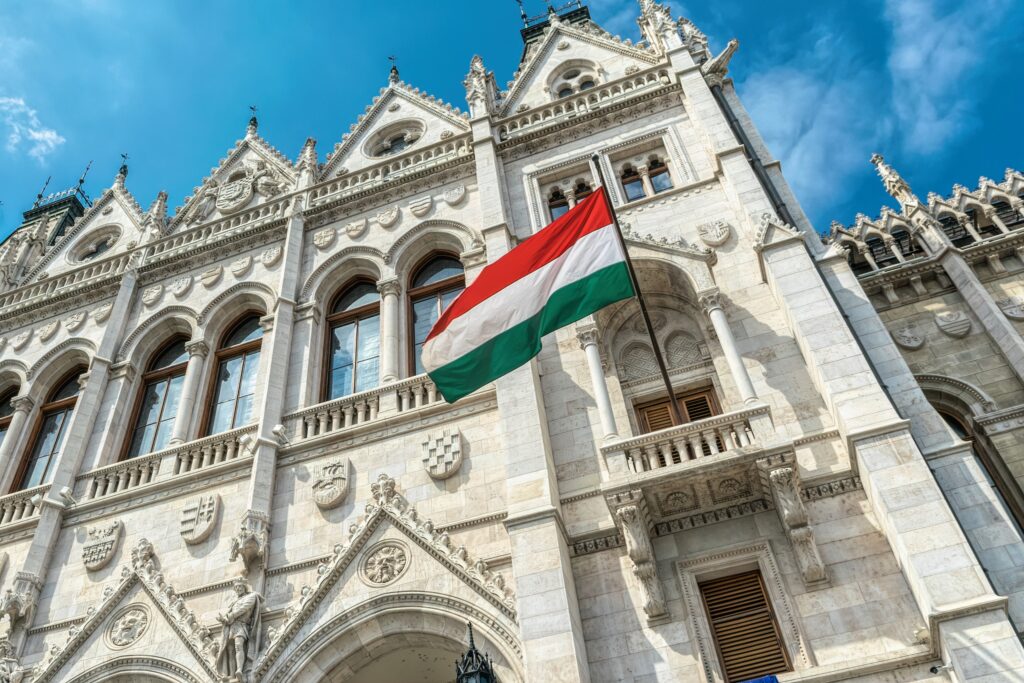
x=696, y=406
x=746, y=635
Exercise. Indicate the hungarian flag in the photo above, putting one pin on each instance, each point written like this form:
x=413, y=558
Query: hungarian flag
x=565, y=272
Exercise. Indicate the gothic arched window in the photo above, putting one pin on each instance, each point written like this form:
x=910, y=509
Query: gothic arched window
x=238, y=360
x=157, y=405
x=880, y=252
x=661, y=179
x=433, y=286
x=632, y=184
x=51, y=430
x=907, y=245
x=955, y=232
x=354, y=341
x=6, y=411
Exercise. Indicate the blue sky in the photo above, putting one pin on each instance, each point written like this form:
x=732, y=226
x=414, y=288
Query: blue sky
x=932, y=84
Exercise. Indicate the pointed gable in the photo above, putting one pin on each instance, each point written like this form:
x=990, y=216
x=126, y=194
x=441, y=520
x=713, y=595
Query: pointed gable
x=399, y=109
x=252, y=172
x=563, y=47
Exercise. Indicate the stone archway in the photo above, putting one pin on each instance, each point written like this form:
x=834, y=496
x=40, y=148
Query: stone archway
x=400, y=658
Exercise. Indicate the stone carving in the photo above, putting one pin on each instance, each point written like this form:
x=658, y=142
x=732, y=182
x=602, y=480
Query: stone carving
x=785, y=486
x=356, y=228
x=11, y=670
x=1012, y=307
x=323, y=239
x=455, y=195
x=250, y=542
x=679, y=501
x=480, y=88
x=954, y=323
x=181, y=286
x=442, y=456
x=385, y=563
x=270, y=256
x=394, y=106
x=421, y=207
x=241, y=266
x=895, y=185
x=388, y=217
x=101, y=545
x=101, y=313
x=447, y=134
x=714, y=234
x=632, y=69
x=19, y=601
x=635, y=532
x=128, y=626
x=242, y=633
x=19, y=342
x=151, y=295
x=199, y=517
x=211, y=276
x=235, y=194
x=729, y=488
x=47, y=331
x=908, y=338
x=330, y=487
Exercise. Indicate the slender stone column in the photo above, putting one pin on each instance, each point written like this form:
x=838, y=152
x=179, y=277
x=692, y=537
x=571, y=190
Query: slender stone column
x=22, y=407
x=712, y=306
x=589, y=337
x=389, y=343
x=197, y=352
x=865, y=251
x=891, y=245
x=967, y=224
x=645, y=179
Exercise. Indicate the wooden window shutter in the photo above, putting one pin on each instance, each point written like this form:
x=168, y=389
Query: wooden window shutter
x=746, y=634
x=657, y=416
x=697, y=406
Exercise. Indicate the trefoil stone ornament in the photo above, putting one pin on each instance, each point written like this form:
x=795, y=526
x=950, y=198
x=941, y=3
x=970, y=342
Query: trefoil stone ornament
x=128, y=626
x=323, y=239
x=442, y=455
x=199, y=517
x=1012, y=307
x=908, y=338
x=388, y=217
x=714, y=234
x=953, y=323
x=330, y=485
x=101, y=545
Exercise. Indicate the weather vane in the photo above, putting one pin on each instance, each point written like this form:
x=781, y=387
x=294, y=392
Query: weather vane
x=252, y=108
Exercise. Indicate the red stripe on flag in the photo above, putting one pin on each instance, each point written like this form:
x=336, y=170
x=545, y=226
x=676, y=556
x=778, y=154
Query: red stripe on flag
x=532, y=253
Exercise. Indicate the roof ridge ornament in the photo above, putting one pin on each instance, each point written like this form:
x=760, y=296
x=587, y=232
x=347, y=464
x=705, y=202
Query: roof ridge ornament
x=393, y=77
x=894, y=183
x=254, y=124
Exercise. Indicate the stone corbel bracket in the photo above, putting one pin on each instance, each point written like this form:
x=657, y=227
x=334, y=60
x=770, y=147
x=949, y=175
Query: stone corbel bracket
x=250, y=543
x=783, y=481
x=629, y=508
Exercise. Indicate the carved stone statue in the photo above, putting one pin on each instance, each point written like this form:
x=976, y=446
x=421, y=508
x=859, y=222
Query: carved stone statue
x=640, y=551
x=240, y=640
x=10, y=670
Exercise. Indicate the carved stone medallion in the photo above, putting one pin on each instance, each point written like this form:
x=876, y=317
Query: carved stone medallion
x=181, y=286
x=19, y=341
x=151, y=295
x=199, y=517
x=728, y=488
x=385, y=563
x=324, y=238
x=714, y=234
x=680, y=501
x=47, y=331
x=908, y=338
x=421, y=206
x=356, y=228
x=101, y=545
x=74, y=321
x=330, y=486
x=270, y=256
x=454, y=196
x=101, y=313
x=442, y=455
x=1012, y=307
x=388, y=217
x=211, y=276
x=954, y=323
x=234, y=195
x=128, y=626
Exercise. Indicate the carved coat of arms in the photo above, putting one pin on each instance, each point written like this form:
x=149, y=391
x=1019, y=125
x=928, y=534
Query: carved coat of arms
x=101, y=545
x=199, y=517
x=331, y=484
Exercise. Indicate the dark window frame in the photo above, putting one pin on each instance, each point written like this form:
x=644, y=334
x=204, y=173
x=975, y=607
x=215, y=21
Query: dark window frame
x=152, y=377
x=334, y=320
x=435, y=289
x=220, y=356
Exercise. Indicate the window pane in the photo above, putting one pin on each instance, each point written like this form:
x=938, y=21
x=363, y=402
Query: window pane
x=173, y=397
x=661, y=182
x=3, y=433
x=6, y=409
x=559, y=211
x=424, y=315
x=343, y=345
x=634, y=189
x=152, y=399
x=246, y=331
x=247, y=390
x=439, y=269
x=369, y=338
x=174, y=354
x=227, y=391
x=244, y=411
x=51, y=436
x=360, y=294
x=367, y=374
x=341, y=381
x=448, y=297
x=163, y=435
x=142, y=440
x=66, y=390
x=223, y=414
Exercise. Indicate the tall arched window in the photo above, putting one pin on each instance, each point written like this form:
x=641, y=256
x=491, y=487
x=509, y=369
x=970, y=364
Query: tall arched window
x=157, y=405
x=50, y=432
x=6, y=411
x=354, y=341
x=238, y=360
x=434, y=285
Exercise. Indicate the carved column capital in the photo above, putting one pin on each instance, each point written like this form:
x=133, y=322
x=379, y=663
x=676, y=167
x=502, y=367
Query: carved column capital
x=197, y=347
x=709, y=300
x=588, y=335
x=989, y=211
x=23, y=404
x=389, y=286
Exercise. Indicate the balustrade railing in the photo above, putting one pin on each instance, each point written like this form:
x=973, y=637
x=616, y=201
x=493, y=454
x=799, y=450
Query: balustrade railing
x=583, y=103
x=121, y=476
x=61, y=283
x=391, y=170
x=214, y=450
x=690, y=441
x=194, y=238
x=19, y=506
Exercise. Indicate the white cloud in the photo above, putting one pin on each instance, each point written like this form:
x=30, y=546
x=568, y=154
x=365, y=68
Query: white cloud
x=931, y=59
x=25, y=130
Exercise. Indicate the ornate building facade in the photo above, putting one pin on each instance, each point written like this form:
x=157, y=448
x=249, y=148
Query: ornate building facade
x=221, y=461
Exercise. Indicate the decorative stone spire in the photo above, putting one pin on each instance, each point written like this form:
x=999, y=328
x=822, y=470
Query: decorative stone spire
x=254, y=124
x=894, y=183
x=657, y=27
x=307, y=163
x=716, y=69
x=156, y=217
x=481, y=90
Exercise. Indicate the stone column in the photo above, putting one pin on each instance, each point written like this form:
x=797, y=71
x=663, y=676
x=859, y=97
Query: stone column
x=891, y=245
x=865, y=251
x=304, y=391
x=12, y=440
x=993, y=215
x=390, y=345
x=645, y=179
x=190, y=387
x=967, y=224
x=712, y=305
x=589, y=339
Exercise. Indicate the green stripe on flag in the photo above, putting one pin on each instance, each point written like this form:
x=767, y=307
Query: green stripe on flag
x=520, y=343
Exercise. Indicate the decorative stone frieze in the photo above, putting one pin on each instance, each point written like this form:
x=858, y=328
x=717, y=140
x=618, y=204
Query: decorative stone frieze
x=101, y=313
x=211, y=276
x=631, y=515
x=455, y=195
x=72, y=322
x=20, y=341
x=241, y=266
x=442, y=455
x=956, y=324
x=356, y=228
x=388, y=217
x=330, y=484
x=181, y=286
x=323, y=239
x=101, y=545
x=270, y=256
x=421, y=207
x=47, y=331
x=199, y=517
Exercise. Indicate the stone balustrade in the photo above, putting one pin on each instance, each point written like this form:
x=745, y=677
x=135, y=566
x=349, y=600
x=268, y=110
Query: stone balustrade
x=393, y=169
x=690, y=441
x=212, y=450
x=569, y=108
x=19, y=506
x=184, y=241
x=121, y=476
x=62, y=284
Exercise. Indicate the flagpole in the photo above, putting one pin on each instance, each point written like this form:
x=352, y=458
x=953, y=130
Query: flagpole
x=673, y=403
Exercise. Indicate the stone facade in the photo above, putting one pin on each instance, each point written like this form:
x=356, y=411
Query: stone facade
x=351, y=538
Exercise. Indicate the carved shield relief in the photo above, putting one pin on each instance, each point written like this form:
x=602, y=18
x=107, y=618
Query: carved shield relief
x=199, y=517
x=330, y=485
x=101, y=545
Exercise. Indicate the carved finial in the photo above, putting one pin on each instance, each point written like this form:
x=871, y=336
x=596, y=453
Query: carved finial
x=656, y=25
x=894, y=183
x=481, y=90
x=393, y=77
x=253, y=122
